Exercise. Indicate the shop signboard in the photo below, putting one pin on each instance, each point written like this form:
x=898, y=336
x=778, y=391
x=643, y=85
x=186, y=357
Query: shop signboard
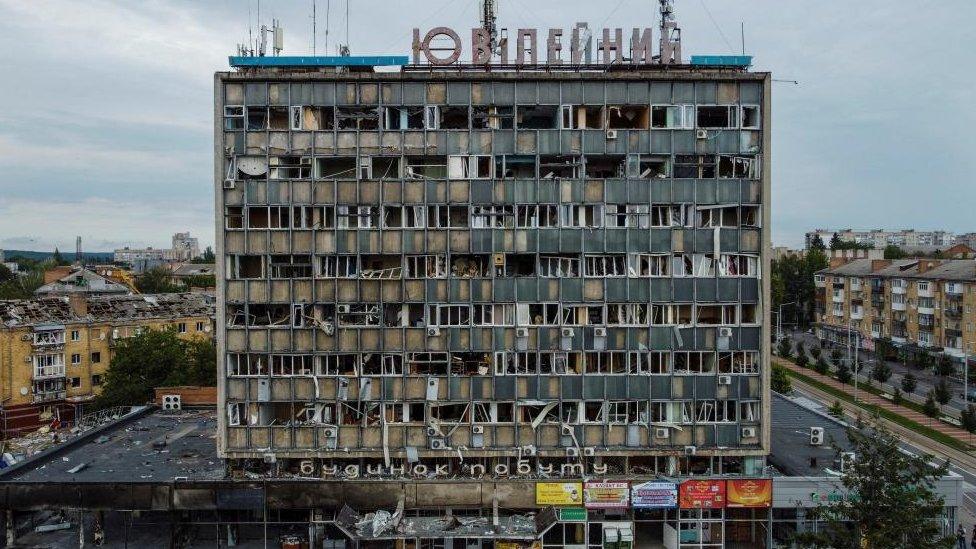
x=606, y=495
x=750, y=493
x=702, y=494
x=654, y=495
x=572, y=514
x=559, y=493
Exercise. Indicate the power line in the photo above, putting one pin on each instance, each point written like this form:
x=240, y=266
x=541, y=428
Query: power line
x=718, y=28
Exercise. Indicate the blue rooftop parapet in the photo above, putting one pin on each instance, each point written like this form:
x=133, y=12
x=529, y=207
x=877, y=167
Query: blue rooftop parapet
x=320, y=61
x=722, y=60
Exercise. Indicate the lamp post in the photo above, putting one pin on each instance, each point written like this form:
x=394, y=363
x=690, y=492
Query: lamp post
x=779, y=320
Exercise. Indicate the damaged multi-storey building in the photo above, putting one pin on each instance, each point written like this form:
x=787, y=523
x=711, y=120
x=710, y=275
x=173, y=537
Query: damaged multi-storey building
x=493, y=272
x=54, y=351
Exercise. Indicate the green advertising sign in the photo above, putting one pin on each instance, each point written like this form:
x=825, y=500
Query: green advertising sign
x=572, y=514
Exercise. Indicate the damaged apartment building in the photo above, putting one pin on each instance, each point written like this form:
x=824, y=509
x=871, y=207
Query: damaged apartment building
x=451, y=271
x=54, y=351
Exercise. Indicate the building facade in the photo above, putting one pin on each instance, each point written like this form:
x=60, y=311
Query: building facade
x=923, y=304
x=54, y=351
x=469, y=273
x=184, y=248
x=880, y=238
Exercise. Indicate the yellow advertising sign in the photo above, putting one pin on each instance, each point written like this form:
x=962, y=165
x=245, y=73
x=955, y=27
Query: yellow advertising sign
x=559, y=493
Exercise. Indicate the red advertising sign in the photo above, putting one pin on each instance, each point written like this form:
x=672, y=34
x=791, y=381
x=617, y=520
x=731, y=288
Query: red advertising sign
x=701, y=494
x=750, y=493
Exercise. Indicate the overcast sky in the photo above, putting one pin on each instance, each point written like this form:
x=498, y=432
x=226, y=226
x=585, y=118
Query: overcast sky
x=106, y=130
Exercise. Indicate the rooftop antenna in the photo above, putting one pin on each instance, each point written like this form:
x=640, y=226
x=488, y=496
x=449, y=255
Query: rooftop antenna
x=313, y=27
x=328, y=9
x=277, y=33
x=78, y=255
x=489, y=22
x=670, y=35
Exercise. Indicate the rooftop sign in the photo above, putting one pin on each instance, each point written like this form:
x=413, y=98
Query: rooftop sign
x=444, y=46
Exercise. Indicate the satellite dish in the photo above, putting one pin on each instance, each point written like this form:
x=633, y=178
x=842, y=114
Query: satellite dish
x=23, y=391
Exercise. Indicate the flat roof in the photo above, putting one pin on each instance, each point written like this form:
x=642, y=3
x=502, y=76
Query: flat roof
x=790, y=448
x=319, y=61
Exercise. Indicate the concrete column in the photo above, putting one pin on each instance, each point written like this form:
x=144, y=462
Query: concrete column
x=11, y=533
x=81, y=528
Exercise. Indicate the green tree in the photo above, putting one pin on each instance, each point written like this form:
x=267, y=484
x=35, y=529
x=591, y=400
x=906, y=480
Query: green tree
x=908, y=383
x=836, y=410
x=817, y=243
x=942, y=393
x=881, y=372
x=821, y=366
x=155, y=358
x=968, y=418
x=894, y=252
x=801, y=360
x=780, y=380
x=200, y=281
x=206, y=257
x=944, y=366
x=895, y=505
x=783, y=349
x=844, y=373
x=930, y=408
x=156, y=281
x=835, y=356
x=22, y=287
x=801, y=349
x=816, y=352
x=6, y=275
x=792, y=281
x=58, y=259
x=835, y=242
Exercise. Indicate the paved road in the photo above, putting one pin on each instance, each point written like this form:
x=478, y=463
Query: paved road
x=927, y=379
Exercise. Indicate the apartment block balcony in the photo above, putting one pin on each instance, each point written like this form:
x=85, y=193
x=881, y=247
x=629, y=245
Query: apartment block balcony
x=954, y=312
x=954, y=290
x=926, y=290
x=926, y=310
x=856, y=285
x=48, y=396
x=899, y=306
x=48, y=372
x=48, y=390
x=901, y=288
x=926, y=321
x=838, y=296
x=820, y=281
x=857, y=313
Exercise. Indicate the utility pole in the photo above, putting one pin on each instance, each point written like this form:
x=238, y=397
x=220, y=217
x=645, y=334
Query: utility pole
x=779, y=320
x=857, y=343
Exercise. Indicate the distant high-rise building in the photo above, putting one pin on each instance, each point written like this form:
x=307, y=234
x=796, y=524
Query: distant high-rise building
x=184, y=248
x=879, y=238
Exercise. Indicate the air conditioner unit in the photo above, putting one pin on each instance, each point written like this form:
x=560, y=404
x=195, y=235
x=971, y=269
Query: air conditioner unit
x=725, y=332
x=611, y=134
x=660, y=432
x=307, y=467
x=701, y=134
x=725, y=380
x=432, y=431
x=567, y=430
x=691, y=450
x=172, y=402
x=816, y=436
x=438, y=444
x=228, y=183
x=589, y=451
x=329, y=328
x=498, y=260
x=572, y=452
x=433, y=331
x=521, y=332
x=477, y=429
x=748, y=432
x=600, y=331
x=270, y=458
x=342, y=309
x=566, y=332
x=528, y=450
x=331, y=432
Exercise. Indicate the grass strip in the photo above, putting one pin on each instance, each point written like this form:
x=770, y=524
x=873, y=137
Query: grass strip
x=884, y=413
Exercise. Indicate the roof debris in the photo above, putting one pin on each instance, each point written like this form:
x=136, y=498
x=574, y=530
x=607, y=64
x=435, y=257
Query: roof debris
x=58, y=310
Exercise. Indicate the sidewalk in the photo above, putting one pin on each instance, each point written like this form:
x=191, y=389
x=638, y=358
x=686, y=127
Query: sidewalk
x=961, y=435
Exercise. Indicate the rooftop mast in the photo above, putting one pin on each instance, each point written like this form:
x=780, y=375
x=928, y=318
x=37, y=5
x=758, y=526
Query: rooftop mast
x=670, y=35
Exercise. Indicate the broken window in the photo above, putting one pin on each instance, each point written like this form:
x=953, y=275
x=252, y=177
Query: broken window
x=627, y=215
x=453, y=118
x=583, y=315
x=501, y=118
x=427, y=364
x=537, y=215
x=247, y=364
x=245, y=266
x=337, y=167
x=341, y=364
x=403, y=118
x=559, y=167
x=517, y=265
x=605, y=167
x=559, y=266
x=648, y=166
x=357, y=118
x=567, y=117
x=694, y=166
x=648, y=265
x=493, y=412
x=339, y=266
x=537, y=314
x=682, y=265
x=716, y=315
x=694, y=362
x=290, y=167
x=741, y=167
x=278, y=118
x=750, y=117
x=357, y=217
x=442, y=216
x=290, y=266
x=673, y=116
x=448, y=315
x=653, y=363
x=749, y=410
x=469, y=167
x=581, y=215
x=535, y=412
x=496, y=217
x=260, y=314
x=382, y=364
x=671, y=215
x=739, y=265
x=234, y=217
x=749, y=313
x=671, y=314
x=515, y=363
x=257, y=118
x=494, y=314
x=605, y=265
x=738, y=362
x=590, y=117
x=233, y=117
x=426, y=167
x=627, y=314
x=426, y=266
x=448, y=414
x=538, y=117
x=627, y=117
x=291, y=365
x=383, y=267
x=717, y=116
x=515, y=167
x=385, y=167
x=470, y=266
x=358, y=314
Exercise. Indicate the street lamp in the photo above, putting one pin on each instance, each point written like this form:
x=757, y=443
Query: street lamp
x=779, y=320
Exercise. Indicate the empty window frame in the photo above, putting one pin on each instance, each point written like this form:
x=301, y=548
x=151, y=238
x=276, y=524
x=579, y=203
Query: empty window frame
x=648, y=166
x=243, y=267
x=233, y=217
x=493, y=314
x=627, y=314
x=311, y=118
x=233, y=117
x=751, y=118
x=605, y=265
x=536, y=215
x=583, y=315
x=580, y=215
x=717, y=116
x=405, y=217
x=627, y=215
x=559, y=266
x=339, y=364
x=357, y=217
x=359, y=314
x=739, y=265
x=628, y=117
x=538, y=117
x=426, y=266
x=671, y=314
x=738, y=362
x=382, y=364
x=448, y=315
x=682, y=265
x=257, y=118
x=671, y=412
x=454, y=118
x=403, y=118
x=278, y=118
x=515, y=363
x=492, y=216
x=338, y=167
x=650, y=362
x=470, y=266
x=426, y=167
x=716, y=315
x=559, y=166
x=693, y=362
x=738, y=167
x=292, y=365
x=605, y=166
x=243, y=364
x=515, y=167
x=428, y=364
x=694, y=166
x=493, y=412
x=469, y=167
x=384, y=167
x=673, y=117
x=649, y=265
x=671, y=215
x=274, y=315
x=339, y=266
x=290, y=266
x=290, y=167
x=442, y=216
x=357, y=118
